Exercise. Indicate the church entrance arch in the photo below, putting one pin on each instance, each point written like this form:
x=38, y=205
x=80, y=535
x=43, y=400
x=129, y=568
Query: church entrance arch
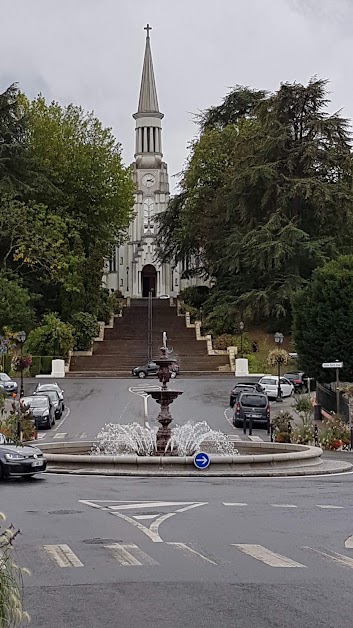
x=149, y=280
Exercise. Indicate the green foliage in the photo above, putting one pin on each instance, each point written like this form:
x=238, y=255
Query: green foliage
x=12, y=612
x=107, y=305
x=51, y=338
x=85, y=329
x=224, y=341
x=266, y=197
x=323, y=320
x=15, y=308
x=282, y=424
x=195, y=296
x=334, y=434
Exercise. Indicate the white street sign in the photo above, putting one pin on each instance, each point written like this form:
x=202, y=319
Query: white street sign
x=332, y=365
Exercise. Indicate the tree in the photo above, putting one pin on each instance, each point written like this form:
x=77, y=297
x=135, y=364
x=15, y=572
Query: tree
x=52, y=337
x=15, y=309
x=266, y=197
x=323, y=320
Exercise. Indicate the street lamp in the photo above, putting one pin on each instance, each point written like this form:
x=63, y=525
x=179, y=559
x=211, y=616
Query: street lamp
x=241, y=327
x=278, y=340
x=21, y=337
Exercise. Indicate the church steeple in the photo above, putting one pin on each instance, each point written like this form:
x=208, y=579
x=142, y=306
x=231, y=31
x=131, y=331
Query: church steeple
x=148, y=118
x=148, y=101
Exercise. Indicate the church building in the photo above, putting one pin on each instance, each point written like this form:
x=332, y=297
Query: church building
x=134, y=268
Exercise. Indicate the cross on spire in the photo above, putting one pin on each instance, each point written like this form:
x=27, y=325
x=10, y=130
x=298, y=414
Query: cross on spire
x=148, y=28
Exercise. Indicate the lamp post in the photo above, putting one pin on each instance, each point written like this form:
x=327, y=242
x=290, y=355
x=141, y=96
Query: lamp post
x=21, y=337
x=278, y=340
x=241, y=327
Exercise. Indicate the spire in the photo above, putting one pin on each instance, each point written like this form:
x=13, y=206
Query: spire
x=148, y=101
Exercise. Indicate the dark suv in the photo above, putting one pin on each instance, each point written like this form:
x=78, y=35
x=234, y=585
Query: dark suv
x=244, y=387
x=151, y=368
x=298, y=379
x=251, y=405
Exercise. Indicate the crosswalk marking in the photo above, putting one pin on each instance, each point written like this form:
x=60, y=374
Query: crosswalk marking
x=256, y=439
x=63, y=555
x=129, y=555
x=266, y=556
x=328, y=507
x=186, y=549
x=60, y=435
x=41, y=435
x=338, y=558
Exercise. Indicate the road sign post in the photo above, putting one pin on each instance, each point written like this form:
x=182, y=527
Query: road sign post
x=201, y=460
x=337, y=366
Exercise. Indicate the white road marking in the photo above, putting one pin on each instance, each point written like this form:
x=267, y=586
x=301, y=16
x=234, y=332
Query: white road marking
x=60, y=435
x=256, y=439
x=133, y=506
x=192, y=506
x=186, y=549
x=63, y=420
x=130, y=555
x=266, y=556
x=283, y=506
x=329, y=507
x=234, y=504
x=63, y=555
x=83, y=435
x=141, y=517
x=41, y=435
x=338, y=558
x=349, y=543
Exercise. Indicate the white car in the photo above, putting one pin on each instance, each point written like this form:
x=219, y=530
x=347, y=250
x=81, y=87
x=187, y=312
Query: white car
x=270, y=385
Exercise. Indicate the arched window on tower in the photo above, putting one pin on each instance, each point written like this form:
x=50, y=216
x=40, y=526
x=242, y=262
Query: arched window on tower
x=148, y=215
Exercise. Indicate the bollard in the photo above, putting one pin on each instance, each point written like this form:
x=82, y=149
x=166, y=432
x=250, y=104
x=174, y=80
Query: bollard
x=271, y=432
x=351, y=443
x=268, y=426
x=316, y=435
x=250, y=426
x=290, y=431
x=244, y=425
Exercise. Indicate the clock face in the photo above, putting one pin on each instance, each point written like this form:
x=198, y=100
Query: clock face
x=148, y=180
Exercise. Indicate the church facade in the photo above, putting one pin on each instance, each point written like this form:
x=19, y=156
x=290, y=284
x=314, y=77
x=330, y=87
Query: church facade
x=134, y=268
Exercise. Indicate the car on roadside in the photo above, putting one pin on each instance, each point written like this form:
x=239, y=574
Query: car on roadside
x=54, y=399
x=41, y=409
x=270, y=385
x=243, y=387
x=20, y=460
x=43, y=388
x=151, y=368
x=298, y=379
x=251, y=405
x=7, y=385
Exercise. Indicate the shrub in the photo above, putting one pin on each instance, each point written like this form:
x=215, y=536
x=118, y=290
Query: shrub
x=11, y=585
x=224, y=341
x=85, y=329
x=45, y=364
x=36, y=364
x=108, y=305
x=51, y=338
x=195, y=296
x=222, y=320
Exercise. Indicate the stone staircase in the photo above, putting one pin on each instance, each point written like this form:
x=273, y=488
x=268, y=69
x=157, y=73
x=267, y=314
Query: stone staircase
x=125, y=345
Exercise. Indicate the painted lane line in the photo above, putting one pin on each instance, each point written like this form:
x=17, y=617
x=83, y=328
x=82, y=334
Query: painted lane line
x=329, y=507
x=63, y=420
x=130, y=555
x=234, y=504
x=133, y=506
x=346, y=561
x=192, y=506
x=151, y=531
x=63, y=555
x=188, y=550
x=349, y=543
x=60, y=435
x=266, y=556
x=283, y=506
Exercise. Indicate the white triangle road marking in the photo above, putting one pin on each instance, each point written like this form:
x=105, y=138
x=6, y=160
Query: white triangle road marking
x=349, y=543
x=141, y=517
x=133, y=506
x=266, y=556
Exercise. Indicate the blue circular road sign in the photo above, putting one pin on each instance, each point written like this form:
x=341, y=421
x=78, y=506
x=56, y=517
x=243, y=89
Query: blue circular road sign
x=201, y=460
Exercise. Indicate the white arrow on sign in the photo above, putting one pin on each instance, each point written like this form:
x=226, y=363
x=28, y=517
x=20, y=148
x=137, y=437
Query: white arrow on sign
x=332, y=365
x=349, y=543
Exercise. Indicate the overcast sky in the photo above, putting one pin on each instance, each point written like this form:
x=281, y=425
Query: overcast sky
x=90, y=52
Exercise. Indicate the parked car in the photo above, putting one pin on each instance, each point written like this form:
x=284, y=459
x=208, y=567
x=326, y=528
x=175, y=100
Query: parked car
x=7, y=385
x=54, y=398
x=52, y=386
x=251, y=405
x=243, y=387
x=41, y=409
x=298, y=379
x=270, y=386
x=18, y=460
x=42, y=388
x=151, y=368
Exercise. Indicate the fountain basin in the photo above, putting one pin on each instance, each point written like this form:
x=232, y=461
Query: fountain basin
x=256, y=460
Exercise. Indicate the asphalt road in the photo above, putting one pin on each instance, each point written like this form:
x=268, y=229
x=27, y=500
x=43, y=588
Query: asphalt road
x=93, y=402
x=178, y=553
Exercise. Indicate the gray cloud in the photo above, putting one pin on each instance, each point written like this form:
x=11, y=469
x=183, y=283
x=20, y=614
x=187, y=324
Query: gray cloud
x=90, y=52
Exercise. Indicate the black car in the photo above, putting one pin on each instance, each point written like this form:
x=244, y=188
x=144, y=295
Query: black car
x=151, y=368
x=54, y=399
x=18, y=460
x=41, y=409
x=251, y=405
x=244, y=387
x=298, y=379
x=52, y=386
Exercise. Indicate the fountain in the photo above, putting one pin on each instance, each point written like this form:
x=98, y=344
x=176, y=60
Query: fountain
x=164, y=397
